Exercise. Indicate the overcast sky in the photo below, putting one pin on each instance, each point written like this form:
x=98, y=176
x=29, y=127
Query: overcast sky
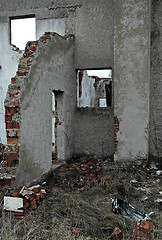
x=22, y=31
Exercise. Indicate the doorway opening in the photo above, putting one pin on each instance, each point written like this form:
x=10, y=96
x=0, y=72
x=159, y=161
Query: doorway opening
x=57, y=125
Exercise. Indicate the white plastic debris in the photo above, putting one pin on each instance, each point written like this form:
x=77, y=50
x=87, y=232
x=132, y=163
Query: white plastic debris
x=133, y=181
x=12, y=203
x=26, y=191
x=159, y=200
x=153, y=166
x=159, y=172
x=120, y=206
x=36, y=186
x=43, y=183
x=147, y=190
x=144, y=198
x=160, y=193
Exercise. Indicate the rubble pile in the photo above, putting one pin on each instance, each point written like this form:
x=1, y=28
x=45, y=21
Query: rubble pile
x=21, y=202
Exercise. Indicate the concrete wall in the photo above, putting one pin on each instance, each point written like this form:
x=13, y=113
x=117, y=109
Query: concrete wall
x=50, y=25
x=155, y=128
x=131, y=77
x=52, y=70
x=90, y=21
x=94, y=134
x=9, y=58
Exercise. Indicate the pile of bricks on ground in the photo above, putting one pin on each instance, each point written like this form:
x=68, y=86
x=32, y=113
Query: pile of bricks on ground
x=30, y=199
x=80, y=172
x=142, y=230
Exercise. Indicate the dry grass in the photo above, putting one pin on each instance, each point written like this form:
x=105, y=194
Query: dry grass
x=87, y=209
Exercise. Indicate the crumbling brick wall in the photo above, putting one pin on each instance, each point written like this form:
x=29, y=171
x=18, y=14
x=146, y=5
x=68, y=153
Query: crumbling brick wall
x=12, y=106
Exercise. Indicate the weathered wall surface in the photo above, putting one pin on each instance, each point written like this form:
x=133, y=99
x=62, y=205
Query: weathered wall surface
x=131, y=77
x=52, y=70
x=94, y=134
x=90, y=21
x=50, y=25
x=155, y=128
x=9, y=58
x=94, y=35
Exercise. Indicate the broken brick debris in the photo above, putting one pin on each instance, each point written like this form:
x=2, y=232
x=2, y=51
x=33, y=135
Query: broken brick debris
x=21, y=201
x=143, y=230
x=146, y=225
x=117, y=234
x=77, y=233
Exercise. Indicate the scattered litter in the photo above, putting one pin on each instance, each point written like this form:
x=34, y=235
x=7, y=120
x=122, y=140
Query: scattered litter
x=153, y=166
x=36, y=186
x=147, y=190
x=120, y=206
x=134, y=181
x=160, y=193
x=117, y=234
x=144, y=198
x=21, y=201
x=43, y=183
x=159, y=172
x=159, y=200
x=12, y=203
x=26, y=191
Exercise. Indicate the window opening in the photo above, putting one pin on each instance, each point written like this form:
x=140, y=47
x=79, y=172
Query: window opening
x=22, y=30
x=94, y=88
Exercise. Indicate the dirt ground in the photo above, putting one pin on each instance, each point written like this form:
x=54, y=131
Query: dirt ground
x=78, y=203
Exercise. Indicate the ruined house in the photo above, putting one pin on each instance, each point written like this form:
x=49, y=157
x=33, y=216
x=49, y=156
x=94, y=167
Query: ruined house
x=49, y=106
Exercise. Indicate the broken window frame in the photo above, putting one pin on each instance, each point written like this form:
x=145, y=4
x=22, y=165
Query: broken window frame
x=16, y=18
x=108, y=88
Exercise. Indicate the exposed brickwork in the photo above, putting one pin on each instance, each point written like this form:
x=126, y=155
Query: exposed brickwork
x=116, y=129
x=12, y=102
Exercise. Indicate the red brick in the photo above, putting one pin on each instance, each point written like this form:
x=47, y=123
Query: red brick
x=15, y=102
x=8, y=125
x=29, y=60
x=33, y=204
x=15, y=194
x=13, y=80
x=12, y=140
x=13, y=163
x=33, y=48
x=36, y=190
x=146, y=225
x=21, y=74
x=16, y=125
x=117, y=234
x=30, y=197
x=8, y=118
x=26, y=205
x=11, y=110
x=77, y=233
x=38, y=197
x=10, y=156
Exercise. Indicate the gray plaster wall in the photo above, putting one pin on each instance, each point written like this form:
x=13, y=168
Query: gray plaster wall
x=131, y=77
x=53, y=69
x=155, y=128
x=94, y=133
